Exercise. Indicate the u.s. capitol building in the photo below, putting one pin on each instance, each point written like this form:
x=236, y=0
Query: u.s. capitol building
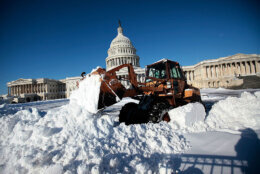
x=236, y=71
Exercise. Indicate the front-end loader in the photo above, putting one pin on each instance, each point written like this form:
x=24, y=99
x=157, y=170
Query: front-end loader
x=165, y=87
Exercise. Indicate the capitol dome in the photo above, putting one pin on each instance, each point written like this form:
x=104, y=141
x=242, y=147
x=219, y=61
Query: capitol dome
x=121, y=51
x=121, y=40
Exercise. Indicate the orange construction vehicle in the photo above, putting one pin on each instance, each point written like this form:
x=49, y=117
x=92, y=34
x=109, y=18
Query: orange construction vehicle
x=165, y=87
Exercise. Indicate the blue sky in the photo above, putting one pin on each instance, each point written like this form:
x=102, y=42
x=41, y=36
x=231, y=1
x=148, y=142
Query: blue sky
x=59, y=38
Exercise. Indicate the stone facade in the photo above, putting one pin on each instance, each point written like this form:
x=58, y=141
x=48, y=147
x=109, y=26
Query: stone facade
x=71, y=84
x=226, y=72
x=26, y=90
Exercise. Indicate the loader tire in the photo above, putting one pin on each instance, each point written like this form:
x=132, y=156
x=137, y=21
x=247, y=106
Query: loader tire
x=126, y=112
x=159, y=112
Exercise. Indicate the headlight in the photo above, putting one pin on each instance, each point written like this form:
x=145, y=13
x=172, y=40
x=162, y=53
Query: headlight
x=168, y=85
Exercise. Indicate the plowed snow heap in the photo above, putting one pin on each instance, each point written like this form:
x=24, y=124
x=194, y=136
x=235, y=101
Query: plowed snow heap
x=87, y=95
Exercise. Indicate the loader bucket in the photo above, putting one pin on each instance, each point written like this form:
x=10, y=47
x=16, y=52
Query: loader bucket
x=111, y=89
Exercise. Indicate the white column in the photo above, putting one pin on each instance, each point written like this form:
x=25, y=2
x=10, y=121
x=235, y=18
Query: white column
x=244, y=67
x=204, y=73
x=228, y=69
x=221, y=70
x=208, y=71
x=214, y=71
x=217, y=71
x=240, y=67
x=232, y=69
x=257, y=66
x=252, y=67
x=237, y=68
x=247, y=68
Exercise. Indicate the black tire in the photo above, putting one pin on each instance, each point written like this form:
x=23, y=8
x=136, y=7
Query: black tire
x=126, y=112
x=159, y=111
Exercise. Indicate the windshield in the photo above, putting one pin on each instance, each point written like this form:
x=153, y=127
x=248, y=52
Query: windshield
x=157, y=71
x=175, y=71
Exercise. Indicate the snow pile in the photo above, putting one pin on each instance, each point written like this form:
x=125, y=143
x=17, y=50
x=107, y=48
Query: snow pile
x=189, y=117
x=70, y=139
x=230, y=115
x=86, y=96
x=236, y=113
x=69, y=142
x=5, y=109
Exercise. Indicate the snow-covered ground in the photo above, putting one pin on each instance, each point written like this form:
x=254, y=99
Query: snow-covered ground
x=71, y=136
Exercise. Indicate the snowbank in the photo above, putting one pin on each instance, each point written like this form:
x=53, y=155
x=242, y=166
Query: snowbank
x=188, y=118
x=236, y=113
x=230, y=115
x=71, y=139
x=75, y=138
x=86, y=96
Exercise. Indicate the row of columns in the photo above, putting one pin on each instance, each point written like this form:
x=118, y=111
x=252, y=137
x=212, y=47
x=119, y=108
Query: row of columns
x=190, y=75
x=125, y=50
x=27, y=89
x=232, y=69
x=122, y=60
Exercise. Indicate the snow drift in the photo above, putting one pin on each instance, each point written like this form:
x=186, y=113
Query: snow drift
x=71, y=139
x=236, y=113
x=188, y=118
x=230, y=115
x=75, y=138
x=86, y=96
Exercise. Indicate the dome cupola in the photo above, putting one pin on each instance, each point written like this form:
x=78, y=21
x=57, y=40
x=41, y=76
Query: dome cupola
x=121, y=51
